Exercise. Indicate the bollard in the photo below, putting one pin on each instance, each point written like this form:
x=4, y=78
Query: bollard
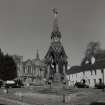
x=20, y=96
x=6, y=90
x=63, y=98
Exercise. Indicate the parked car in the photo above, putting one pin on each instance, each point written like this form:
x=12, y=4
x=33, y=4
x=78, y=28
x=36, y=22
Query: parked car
x=81, y=85
x=8, y=83
x=19, y=83
x=13, y=84
x=99, y=86
x=1, y=83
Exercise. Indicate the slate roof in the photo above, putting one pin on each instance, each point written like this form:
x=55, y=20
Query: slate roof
x=100, y=64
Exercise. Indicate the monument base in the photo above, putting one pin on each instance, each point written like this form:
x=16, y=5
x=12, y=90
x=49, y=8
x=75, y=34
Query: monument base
x=57, y=77
x=58, y=81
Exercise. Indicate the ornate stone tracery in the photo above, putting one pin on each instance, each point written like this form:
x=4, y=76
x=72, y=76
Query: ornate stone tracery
x=56, y=58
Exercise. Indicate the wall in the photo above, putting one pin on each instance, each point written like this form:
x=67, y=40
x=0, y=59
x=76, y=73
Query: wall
x=91, y=76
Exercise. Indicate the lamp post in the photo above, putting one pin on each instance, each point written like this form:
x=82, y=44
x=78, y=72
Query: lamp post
x=49, y=82
x=64, y=84
x=103, y=79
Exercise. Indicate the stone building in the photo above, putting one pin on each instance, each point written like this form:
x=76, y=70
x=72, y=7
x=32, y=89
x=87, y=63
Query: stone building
x=19, y=63
x=33, y=70
x=30, y=71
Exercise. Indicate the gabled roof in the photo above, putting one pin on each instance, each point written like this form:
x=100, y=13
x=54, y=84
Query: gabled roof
x=74, y=69
x=27, y=62
x=37, y=62
x=97, y=65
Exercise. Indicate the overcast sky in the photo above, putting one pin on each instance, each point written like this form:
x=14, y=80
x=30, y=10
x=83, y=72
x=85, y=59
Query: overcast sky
x=26, y=25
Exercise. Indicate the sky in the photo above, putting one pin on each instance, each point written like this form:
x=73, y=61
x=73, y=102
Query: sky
x=26, y=25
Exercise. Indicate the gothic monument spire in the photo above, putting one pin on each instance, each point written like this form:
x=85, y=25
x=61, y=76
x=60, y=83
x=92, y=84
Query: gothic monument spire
x=55, y=32
x=56, y=58
x=55, y=23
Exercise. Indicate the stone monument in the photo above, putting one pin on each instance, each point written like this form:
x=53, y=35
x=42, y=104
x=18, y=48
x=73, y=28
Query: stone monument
x=56, y=58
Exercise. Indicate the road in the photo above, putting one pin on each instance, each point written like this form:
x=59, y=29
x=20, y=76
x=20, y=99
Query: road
x=81, y=97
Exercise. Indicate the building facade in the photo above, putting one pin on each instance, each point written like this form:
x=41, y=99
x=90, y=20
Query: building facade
x=92, y=74
x=30, y=71
x=33, y=70
x=19, y=63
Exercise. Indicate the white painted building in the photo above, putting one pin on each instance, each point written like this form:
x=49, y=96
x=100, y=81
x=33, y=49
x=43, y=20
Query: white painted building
x=93, y=74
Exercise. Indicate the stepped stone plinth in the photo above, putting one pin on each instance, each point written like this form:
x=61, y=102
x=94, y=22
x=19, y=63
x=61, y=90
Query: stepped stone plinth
x=56, y=58
x=57, y=77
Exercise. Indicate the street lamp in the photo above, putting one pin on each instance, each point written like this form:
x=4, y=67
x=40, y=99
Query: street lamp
x=49, y=82
x=64, y=84
x=103, y=79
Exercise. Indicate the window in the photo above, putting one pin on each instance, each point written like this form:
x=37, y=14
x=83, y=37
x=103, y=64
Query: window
x=30, y=68
x=91, y=72
x=102, y=71
x=24, y=70
x=100, y=81
x=95, y=72
x=94, y=81
x=75, y=75
x=89, y=81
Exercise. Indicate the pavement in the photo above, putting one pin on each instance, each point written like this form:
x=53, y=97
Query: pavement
x=6, y=101
x=10, y=99
x=25, y=96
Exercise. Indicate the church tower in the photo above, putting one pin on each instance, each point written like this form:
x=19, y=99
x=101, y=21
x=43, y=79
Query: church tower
x=56, y=58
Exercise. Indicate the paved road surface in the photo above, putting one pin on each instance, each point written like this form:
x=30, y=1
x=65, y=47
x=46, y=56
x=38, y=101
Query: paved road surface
x=5, y=101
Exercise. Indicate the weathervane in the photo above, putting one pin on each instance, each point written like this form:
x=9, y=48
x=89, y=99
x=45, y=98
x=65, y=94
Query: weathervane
x=55, y=23
x=55, y=11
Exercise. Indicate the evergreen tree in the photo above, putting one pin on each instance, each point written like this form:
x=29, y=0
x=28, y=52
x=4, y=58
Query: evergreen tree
x=8, y=70
x=1, y=63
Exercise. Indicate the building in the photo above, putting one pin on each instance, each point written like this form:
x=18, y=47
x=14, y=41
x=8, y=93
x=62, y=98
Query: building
x=30, y=71
x=19, y=63
x=56, y=58
x=33, y=70
x=92, y=74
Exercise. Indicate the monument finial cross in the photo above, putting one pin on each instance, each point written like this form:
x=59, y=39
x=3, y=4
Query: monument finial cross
x=55, y=11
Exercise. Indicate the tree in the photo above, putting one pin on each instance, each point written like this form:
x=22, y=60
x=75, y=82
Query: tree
x=1, y=63
x=8, y=70
x=92, y=49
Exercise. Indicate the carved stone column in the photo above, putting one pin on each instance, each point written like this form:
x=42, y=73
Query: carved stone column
x=57, y=68
x=64, y=69
x=48, y=71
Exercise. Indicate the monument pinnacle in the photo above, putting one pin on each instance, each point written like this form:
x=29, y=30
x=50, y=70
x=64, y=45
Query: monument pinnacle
x=55, y=23
x=56, y=58
x=55, y=11
x=37, y=54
